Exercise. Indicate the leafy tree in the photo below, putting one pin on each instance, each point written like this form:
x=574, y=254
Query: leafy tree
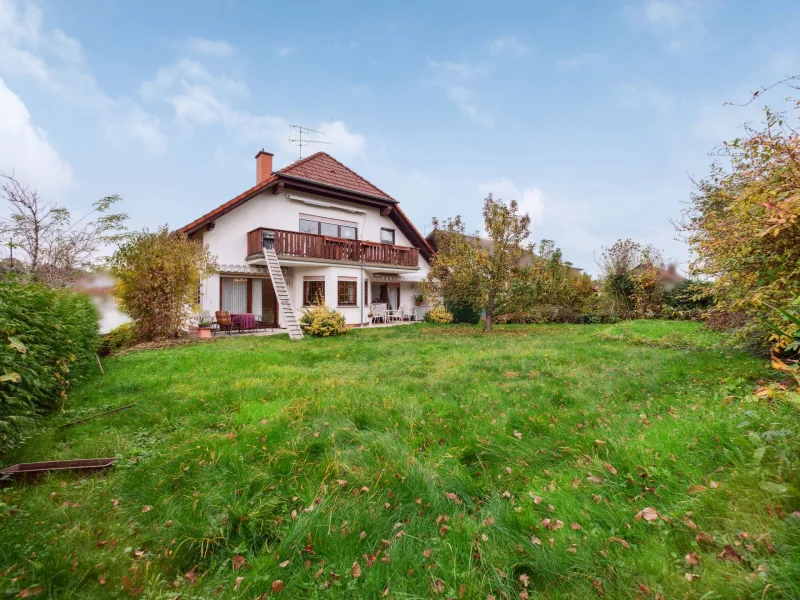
x=743, y=222
x=630, y=276
x=548, y=281
x=45, y=242
x=158, y=276
x=466, y=271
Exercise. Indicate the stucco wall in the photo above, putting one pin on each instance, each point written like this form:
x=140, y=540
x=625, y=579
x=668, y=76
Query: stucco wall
x=228, y=239
x=228, y=242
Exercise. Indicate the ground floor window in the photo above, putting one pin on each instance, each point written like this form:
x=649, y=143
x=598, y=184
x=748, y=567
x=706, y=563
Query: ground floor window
x=366, y=292
x=234, y=294
x=313, y=290
x=347, y=291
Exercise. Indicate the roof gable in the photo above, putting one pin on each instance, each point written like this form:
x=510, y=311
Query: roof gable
x=322, y=168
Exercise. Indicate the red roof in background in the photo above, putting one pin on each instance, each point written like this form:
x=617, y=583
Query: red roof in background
x=323, y=168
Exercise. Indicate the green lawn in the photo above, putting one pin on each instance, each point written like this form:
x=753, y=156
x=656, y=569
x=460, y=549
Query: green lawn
x=418, y=462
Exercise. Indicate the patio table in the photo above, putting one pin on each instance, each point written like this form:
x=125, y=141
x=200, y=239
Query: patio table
x=247, y=320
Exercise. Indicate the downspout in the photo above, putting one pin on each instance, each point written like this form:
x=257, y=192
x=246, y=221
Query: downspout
x=363, y=295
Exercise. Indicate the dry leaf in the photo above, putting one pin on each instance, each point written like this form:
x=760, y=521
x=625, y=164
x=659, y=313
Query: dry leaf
x=31, y=591
x=236, y=585
x=238, y=562
x=697, y=489
x=147, y=508
x=689, y=523
x=536, y=541
x=191, y=576
x=705, y=538
x=427, y=553
x=610, y=468
x=690, y=577
x=437, y=585
x=524, y=580
x=644, y=589
x=356, y=570
x=284, y=564
x=621, y=542
x=649, y=514
x=277, y=586
x=729, y=553
x=692, y=558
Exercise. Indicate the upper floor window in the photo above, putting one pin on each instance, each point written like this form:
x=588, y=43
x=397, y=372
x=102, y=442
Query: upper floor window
x=387, y=236
x=329, y=227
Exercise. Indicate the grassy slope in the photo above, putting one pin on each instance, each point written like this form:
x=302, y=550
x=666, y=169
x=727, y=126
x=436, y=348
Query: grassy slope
x=239, y=445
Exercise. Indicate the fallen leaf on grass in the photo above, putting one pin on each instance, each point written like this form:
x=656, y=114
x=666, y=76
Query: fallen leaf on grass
x=598, y=586
x=689, y=523
x=356, y=570
x=536, y=541
x=576, y=526
x=690, y=577
x=610, y=468
x=191, y=576
x=284, y=564
x=697, y=489
x=341, y=482
x=238, y=562
x=147, y=508
x=644, y=589
x=524, y=580
x=517, y=435
x=730, y=554
x=236, y=585
x=277, y=586
x=32, y=591
x=437, y=585
x=649, y=514
x=621, y=542
x=692, y=558
x=704, y=538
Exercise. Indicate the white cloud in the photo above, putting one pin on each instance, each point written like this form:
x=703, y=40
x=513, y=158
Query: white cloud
x=678, y=23
x=508, y=44
x=218, y=48
x=286, y=50
x=530, y=200
x=25, y=150
x=57, y=62
x=583, y=59
x=644, y=96
x=343, y=142
x=458, y=79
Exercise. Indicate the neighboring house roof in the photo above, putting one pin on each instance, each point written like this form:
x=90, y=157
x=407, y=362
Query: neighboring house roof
x=322, y=174
x=670, y=274
x=524, y=261
x=323, y=168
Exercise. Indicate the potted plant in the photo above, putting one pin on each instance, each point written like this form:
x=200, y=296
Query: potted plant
x=204, y=328
x=419, y=300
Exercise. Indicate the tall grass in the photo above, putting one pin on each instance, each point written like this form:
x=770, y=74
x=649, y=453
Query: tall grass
x=431, y=457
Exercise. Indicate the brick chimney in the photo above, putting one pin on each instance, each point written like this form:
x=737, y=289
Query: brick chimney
x=263, y=166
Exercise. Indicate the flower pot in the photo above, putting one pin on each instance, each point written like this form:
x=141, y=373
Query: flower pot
x=204, y=333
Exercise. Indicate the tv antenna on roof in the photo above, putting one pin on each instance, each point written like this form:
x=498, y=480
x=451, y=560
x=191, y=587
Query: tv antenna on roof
x=300, y=142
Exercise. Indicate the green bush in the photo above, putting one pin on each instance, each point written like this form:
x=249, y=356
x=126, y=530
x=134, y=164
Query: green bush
x=48, y=339
x=439, y=314
x=463, y=313
x=322, y=321
x=123, y=336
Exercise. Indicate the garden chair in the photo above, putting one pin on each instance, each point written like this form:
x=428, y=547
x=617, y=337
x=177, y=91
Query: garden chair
x=406, y=312
x=227, y=323
x=378, y=312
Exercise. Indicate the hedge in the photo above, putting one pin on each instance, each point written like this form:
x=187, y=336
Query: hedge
x=48, y=340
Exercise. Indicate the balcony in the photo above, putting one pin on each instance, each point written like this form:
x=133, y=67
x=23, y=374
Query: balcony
x=310, y=245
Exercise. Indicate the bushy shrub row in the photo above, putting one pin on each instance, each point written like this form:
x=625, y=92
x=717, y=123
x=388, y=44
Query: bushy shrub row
x=48, y=339
x=463, y=313
x=123, y=336
x=439, y=314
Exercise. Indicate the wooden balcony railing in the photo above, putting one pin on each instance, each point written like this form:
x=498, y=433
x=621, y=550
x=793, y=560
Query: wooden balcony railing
x=311, y=245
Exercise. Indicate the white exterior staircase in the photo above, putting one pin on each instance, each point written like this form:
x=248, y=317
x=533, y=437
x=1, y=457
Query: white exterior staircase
x=282, y=294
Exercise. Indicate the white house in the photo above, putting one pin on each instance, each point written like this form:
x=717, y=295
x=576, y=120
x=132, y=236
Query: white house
x=338, y=239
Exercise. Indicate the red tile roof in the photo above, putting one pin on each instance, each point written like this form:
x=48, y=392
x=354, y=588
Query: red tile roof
x=323, y=168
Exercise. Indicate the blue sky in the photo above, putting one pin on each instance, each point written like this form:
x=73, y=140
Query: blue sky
x=593, y=115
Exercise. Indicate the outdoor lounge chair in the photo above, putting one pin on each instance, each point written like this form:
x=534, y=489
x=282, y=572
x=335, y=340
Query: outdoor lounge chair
x=226, y=322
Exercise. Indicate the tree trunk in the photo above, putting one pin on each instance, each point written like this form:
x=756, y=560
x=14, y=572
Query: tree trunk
x=489, y=315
